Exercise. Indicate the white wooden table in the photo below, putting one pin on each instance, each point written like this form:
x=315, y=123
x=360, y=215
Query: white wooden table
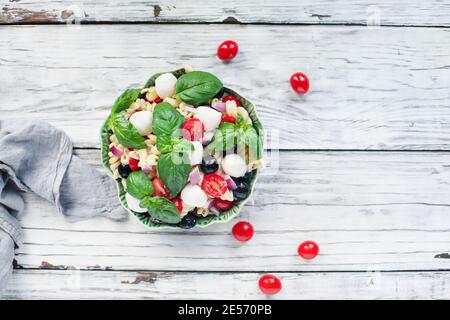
x=364, y=161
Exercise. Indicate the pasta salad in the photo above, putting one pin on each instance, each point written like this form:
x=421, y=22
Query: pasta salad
x=183, y=148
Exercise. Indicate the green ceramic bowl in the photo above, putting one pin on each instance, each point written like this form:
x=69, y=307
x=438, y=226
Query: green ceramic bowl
x=202, y=222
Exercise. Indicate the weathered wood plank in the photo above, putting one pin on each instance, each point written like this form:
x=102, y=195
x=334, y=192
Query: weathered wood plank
x=403, y=12
x=367, y=210
x=389, y=93
x=74, y=284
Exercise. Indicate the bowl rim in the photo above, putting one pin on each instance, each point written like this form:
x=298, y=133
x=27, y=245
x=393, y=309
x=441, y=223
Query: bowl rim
x=224, y=216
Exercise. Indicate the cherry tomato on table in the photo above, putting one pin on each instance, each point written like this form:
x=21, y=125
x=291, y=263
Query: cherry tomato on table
x=227, y=50
x=214, y=185
x=300, y=83
x=269, y=284
x=308, y=250
x=160, y=189
x=193, y=129
x=134, y=164
x=231, y=98
x=243, y=231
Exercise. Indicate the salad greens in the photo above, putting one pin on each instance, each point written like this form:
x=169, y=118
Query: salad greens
x=173, y=163
x=174, y=171
x=125, y=132
x=166, y=119
x=230, y=134
x=125, y=100
x=162, y=209
x=197, y=86
x=139, y=185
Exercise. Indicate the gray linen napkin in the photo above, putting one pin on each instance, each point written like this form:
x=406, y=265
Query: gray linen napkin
x=36, y=157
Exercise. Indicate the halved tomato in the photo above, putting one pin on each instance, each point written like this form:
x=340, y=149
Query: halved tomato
x=228, y=119
x=178, y=203
x=222, y=205
x=231, y=98
x=214, y=185
x=160, y=188
x=194, y=129
x=134, y=164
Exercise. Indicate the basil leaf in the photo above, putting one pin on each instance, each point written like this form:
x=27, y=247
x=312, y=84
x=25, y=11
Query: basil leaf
x=250, y=137
x=174, y=168
x=125, y=100
x=197, y=86
x=139, y=185
x=166, y=119
x=225, y=137
x=127, y=135
x=182, y=146
x=162, y=209
x=240, y=120
x=164, y=143
x=151, y=81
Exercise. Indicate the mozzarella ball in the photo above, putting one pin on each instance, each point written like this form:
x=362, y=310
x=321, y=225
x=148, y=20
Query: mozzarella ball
x=165, y=85
x=196, y=155
x=234, y=165
x=209, y=117
x=194, y=196
x=207, y=137
x=133, y=203
x=142, y=121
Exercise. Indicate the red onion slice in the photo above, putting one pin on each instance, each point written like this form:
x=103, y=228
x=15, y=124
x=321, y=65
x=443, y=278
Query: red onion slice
x=214, y=211
x=195, y=176
x=230, y=183
x=190, y=108
x=116, y=151
x=146, y=169
x=219, y=106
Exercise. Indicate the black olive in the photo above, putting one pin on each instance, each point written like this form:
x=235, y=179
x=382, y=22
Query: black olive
x=242, y=191
x=209, y=164
x=124, y=171
x=220, y=94
x=188, y=221
x=246, y=178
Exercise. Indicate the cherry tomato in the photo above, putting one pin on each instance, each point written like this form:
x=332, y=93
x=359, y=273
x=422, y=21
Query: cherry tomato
x=222, y=205
x=157, y=100
x=193, y=129
x=178, y=203
x=231, y=98
x=243, y=231
x=308, y=249
x=227, y=50
x=134, y=164
x=300, y=83
x=160, y=189
x=214, y=185
x=269, y=284
x=228, y=119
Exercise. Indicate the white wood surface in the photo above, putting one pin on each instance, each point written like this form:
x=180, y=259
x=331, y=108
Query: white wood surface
x=383, y=89
x=75, y=284
x=367, y=210
x=387, y=12
x=370, y=89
